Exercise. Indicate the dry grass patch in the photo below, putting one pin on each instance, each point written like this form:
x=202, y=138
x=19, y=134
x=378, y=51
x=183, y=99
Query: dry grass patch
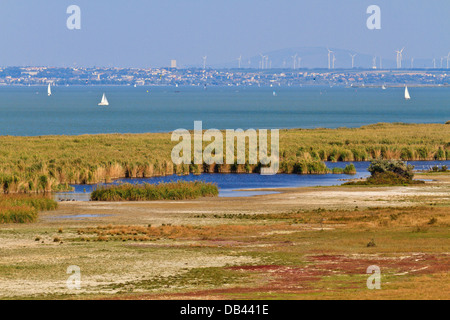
x=149, y=233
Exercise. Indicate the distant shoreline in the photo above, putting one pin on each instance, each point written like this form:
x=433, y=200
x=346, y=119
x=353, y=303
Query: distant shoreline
x=170, y=132
x=321, y=85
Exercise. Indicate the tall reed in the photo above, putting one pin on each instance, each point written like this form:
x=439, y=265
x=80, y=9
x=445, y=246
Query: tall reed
x=179, y=190
x=23, y=208
x=51, y=163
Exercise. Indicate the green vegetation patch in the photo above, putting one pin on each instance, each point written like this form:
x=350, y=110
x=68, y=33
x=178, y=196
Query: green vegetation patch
x=180, y=190
x=389, y=172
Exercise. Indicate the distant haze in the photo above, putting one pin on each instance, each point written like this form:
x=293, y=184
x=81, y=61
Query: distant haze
x=143, y=33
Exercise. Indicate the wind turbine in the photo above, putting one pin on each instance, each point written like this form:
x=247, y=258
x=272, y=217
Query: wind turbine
x=204, y=62
x=434, y=63
x=448, y=58
x=412, y=63
x=374, y=62
x=294, y=60
x=239, y=61
x=399, y=58
x=262, y=60
x=353, y=59
x=329, y=58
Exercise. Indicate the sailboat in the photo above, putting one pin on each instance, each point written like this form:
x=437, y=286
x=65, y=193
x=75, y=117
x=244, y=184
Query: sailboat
x=49, y=90
x=383, y=87
x=104, y=101
x=407, y=96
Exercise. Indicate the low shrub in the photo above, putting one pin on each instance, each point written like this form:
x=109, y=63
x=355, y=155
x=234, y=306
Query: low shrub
x=386, y=178
x=395, y=166
x=443, y=168
x=388, y=172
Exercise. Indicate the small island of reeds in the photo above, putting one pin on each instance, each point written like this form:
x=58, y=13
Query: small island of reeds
x=180, y=190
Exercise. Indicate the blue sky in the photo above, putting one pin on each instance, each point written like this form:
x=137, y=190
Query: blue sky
x=148, y=33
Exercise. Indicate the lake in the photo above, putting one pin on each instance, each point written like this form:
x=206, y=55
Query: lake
x=28, y=111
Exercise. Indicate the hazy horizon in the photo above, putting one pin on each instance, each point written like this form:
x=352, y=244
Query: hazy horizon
x=150, y=33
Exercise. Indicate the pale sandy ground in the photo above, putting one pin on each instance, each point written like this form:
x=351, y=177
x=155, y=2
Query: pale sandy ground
x=18, y=247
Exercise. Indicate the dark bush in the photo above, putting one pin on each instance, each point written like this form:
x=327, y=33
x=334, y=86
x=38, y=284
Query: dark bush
x=398, y=167
x=389, y=172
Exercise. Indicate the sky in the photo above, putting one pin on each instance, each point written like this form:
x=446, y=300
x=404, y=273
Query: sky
x=149, y=33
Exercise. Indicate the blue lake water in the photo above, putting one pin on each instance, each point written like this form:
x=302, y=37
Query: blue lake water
x=230, y=185
x=28, y=111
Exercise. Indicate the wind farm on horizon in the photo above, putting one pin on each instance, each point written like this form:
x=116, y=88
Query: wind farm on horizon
x=327, y=58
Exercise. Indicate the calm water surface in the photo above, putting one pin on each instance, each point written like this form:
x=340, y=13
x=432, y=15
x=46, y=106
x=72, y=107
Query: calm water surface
x=28, y=111
x=231, y=185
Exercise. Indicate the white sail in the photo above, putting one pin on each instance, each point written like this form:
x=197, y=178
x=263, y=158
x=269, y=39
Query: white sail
x=104, y=101
x=407, y=96
x=49, y=90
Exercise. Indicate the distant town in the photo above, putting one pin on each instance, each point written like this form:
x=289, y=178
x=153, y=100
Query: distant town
x=172, y=76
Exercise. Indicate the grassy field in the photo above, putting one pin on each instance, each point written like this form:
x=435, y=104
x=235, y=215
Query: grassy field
x=309, y=243
x=51, y=162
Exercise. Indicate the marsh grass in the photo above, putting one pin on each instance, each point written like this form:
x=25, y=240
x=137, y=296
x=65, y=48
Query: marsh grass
x=350, y=169
x=51, y=163
x=179, y=190
x=23, y=208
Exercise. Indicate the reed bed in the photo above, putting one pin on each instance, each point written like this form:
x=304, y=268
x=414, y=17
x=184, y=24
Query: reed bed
x=180, y=190
x=349, y=169
x=51, y=163
x=23, y=208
